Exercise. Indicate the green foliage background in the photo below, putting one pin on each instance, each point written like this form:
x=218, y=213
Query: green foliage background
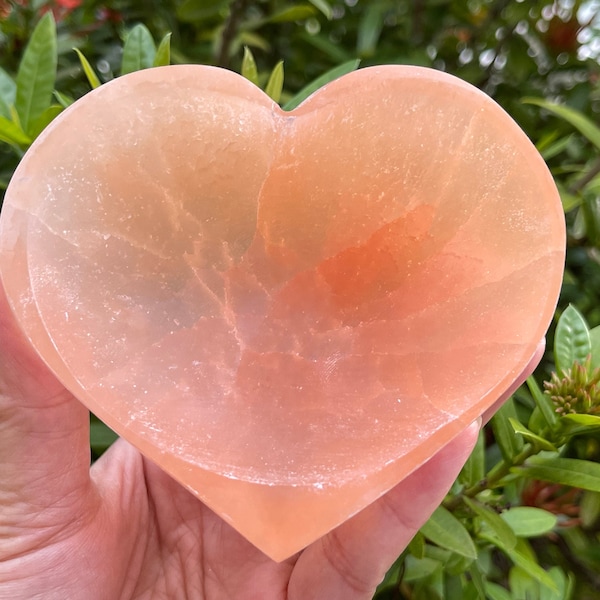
x=523, y=519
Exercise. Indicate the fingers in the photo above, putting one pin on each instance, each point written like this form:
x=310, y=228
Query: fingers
x=348, y=563
x=44, y=440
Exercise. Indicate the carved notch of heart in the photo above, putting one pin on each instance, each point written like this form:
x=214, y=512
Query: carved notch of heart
x=289, y=312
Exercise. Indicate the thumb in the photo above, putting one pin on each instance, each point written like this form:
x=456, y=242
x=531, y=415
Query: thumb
x=349, y=562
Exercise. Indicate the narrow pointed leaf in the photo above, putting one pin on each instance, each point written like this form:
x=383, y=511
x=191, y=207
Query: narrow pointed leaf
x=571, y=472
x=45, y=119
x=37, y=73
x=589, y=509
x=300, y=12
x=509, y=443
x=568, y=200
x=474, y=470
x=542, y=443
x=275, y=83
x=64, y=100
x=542, y=401
x=163, y=52
x=496, y=592
x=8, y=89
x=11, y=133
x=4, y=108
x=87, y=69
x=327, y=77
x=579, y=424
x=595, y=341
x=578, y=120
x=445, y=530
x=324, y=7
x=571, y=341
x=370, y=29
x=249, y=70
x=139, y=50
x=416, y=569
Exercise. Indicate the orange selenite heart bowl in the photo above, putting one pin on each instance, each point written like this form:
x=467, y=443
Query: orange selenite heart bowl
x=289, y=312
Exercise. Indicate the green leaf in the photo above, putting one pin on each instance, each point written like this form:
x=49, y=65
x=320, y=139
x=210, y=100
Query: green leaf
x=417, y=545
x=299, y=12
x=87, y=69
x=589, y=509
x=578, y=120
x=369, y=29
x=563, y=582
x=494, y=591
x=505, y=536
x=572, y=425
x=474, y=470
x=416, y=569
x=324, y=7
x=64, y=100
x=520, y=556
x=275, y=83
x=542, y=401
x=527, y=521
x=445, y=530
x=595, y=343
x=568, y=200
x=542, y=443
x=11, y=133
x=509, y=443
x=522, y=584
x=193, y=11
x=139, y=50
x=45, y=119
x=324, y=79
x=8, y=89
x=249, y=70
x=4, y=108
x=477, y=580
x=37, y=73
x=163, y=53
x=571, y=341
x=557, y=147
x=571, y=472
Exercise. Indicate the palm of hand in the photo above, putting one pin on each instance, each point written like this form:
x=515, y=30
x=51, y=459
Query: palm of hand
x=124, y=530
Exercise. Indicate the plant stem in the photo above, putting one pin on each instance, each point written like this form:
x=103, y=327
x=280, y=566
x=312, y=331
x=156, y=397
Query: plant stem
x=229, y=31
x=497, y=473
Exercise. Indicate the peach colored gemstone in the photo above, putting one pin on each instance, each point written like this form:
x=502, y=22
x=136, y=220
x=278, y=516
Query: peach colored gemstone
x=288, y=312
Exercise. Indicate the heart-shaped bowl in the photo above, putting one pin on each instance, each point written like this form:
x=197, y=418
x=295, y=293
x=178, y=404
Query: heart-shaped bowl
x=289, y=312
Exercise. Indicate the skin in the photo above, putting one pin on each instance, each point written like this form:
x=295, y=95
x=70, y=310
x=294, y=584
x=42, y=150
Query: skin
x=122, y=529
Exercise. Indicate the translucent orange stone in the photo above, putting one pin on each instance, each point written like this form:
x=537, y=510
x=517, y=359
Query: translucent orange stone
x=289, y=312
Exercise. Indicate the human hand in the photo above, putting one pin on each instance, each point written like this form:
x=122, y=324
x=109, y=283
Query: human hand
x=123, y=529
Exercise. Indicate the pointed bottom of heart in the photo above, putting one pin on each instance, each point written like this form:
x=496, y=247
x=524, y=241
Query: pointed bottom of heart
x=281, y=520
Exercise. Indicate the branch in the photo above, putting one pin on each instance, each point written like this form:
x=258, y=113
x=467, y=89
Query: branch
x=229, y=32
